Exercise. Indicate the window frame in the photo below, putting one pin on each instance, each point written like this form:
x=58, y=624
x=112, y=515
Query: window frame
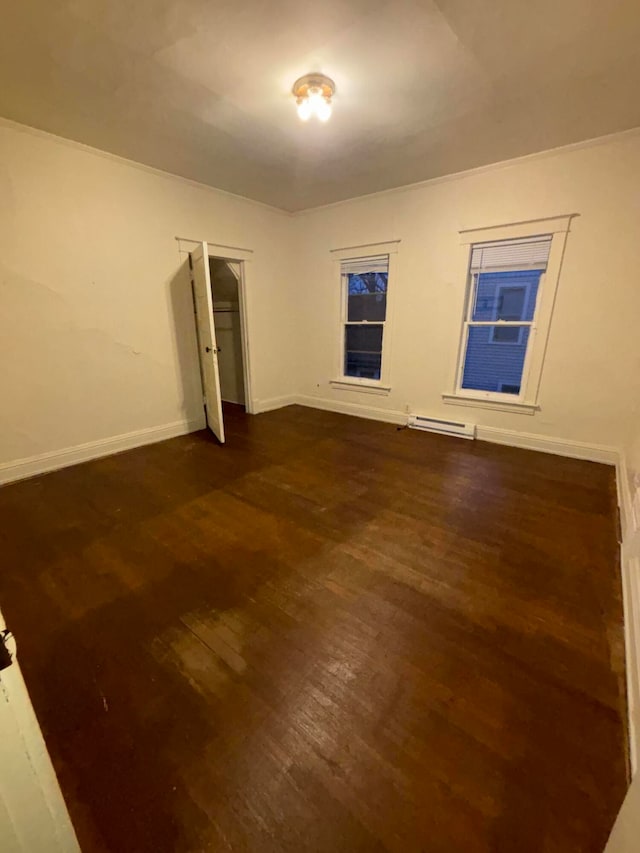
x=354, y=253
x=526, y=401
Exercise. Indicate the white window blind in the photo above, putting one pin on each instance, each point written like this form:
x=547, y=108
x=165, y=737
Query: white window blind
x=532, y=253
x=358, y=266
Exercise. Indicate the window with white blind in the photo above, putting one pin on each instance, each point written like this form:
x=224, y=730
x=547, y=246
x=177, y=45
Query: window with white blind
x=504, y=280
x=511, y=286
x=365, y=284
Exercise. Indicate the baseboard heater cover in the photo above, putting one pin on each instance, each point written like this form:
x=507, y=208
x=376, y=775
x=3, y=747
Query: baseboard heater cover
x=445, y=427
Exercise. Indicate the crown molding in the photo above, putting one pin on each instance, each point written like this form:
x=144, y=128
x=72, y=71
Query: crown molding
x=404, y=188
x=152, y=170
x=480, y=170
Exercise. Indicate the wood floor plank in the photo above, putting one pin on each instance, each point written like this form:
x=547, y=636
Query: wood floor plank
x=328, y=635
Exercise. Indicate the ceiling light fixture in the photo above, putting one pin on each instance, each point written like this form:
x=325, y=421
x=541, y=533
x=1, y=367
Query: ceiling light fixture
x=313, y=94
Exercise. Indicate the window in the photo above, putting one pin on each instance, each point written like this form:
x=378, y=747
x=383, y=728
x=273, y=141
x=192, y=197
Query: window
x=512, y=274
x=504, y=279
x=364, y=314
x=363, y=319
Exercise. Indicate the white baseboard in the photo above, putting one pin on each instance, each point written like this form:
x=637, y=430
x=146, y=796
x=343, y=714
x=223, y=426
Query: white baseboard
x=269, y=405
x=357, y=409
x=31, y=466
x=513, y=438
x=547, y=444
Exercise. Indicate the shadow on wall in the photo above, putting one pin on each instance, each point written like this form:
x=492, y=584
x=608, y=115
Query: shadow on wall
x=71, y=371
x=186, y=342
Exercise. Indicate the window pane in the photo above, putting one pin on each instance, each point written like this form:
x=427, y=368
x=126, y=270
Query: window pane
x=505, y=295
x=364, y=365
x=363, y=351
x=488, y=367
x=506, y=334
x=366, y=338
x=367, y=296
x=368, y=282
x=367, y=306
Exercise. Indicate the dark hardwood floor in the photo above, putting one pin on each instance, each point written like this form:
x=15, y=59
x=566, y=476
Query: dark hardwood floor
x=328, y=635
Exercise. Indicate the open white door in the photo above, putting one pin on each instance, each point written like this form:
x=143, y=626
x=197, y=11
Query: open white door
x=207, y=339
x=33, y=815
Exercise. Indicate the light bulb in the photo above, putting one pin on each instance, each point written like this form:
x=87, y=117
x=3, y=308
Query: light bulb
x=304, y=109
x=313, y=94
x=323, y=110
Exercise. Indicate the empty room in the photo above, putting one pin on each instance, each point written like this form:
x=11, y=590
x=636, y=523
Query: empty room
x=320, y=426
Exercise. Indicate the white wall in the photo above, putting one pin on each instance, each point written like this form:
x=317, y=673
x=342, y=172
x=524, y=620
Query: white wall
x=96, y=323
x=96, y=327
x=593, y=355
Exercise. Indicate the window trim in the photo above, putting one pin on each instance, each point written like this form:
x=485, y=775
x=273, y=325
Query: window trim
x=527, y=400
x=351, y=253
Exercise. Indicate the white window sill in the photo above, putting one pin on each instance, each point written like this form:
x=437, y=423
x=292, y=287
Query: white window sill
x=487, y=403
x=364, y=386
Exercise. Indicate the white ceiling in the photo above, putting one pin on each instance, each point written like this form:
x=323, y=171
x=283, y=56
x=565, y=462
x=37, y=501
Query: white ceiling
x=201, y=88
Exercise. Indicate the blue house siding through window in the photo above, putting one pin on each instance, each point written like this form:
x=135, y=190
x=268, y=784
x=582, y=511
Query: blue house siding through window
x=495, y=355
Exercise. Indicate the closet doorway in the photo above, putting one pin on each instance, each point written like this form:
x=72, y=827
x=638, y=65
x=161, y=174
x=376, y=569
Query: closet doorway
x=225, y=289
x=221, y=323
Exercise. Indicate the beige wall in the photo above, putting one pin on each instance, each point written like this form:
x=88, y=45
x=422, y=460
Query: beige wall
x=96, y=321
x=593, y=354
x=96, y=327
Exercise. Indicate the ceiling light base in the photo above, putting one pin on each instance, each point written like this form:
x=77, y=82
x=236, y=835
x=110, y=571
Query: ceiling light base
x=303, y=86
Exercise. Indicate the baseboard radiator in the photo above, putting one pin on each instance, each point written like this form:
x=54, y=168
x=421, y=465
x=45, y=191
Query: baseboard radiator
x=445, y=427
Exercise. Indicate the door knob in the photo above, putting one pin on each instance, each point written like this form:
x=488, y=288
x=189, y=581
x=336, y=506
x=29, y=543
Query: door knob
x=208, y=349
